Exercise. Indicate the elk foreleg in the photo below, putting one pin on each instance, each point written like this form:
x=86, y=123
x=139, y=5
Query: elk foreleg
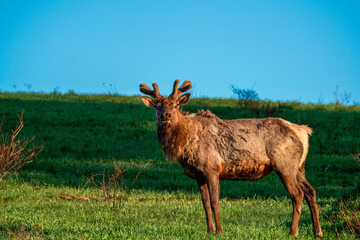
x=214, y=190
x=206, y=203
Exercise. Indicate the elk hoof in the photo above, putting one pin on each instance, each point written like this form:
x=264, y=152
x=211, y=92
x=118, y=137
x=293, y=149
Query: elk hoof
x=319, y=234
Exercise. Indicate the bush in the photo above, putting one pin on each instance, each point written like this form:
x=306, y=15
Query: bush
x=349, y=213
x=245, y=94
x=15, y=152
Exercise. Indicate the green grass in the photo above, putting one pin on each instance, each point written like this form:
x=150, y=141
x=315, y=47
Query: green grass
x=85, y=134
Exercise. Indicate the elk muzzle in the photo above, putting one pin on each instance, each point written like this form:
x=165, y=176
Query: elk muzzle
x=165, y=123
x=165, y=120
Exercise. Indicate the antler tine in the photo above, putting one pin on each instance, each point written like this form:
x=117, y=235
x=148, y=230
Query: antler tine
x=156, y=90
x=148, y=91
x=186, y=86
x=176, y=84
x=143, y=85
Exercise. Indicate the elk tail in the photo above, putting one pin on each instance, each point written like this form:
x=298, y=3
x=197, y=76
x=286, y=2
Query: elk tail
x=307, y=129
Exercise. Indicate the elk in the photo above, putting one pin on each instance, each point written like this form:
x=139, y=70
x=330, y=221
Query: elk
x=210, y=149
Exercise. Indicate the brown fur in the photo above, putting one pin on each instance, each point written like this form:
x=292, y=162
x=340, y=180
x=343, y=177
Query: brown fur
x=209, y=149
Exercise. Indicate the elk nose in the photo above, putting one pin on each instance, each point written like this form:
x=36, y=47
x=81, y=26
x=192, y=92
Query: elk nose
x=166, y=116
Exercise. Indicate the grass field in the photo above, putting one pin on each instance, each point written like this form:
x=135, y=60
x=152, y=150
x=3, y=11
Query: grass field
x=86, y=134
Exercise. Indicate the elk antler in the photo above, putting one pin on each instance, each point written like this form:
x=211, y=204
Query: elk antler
x=186, y=86
x=148, y=91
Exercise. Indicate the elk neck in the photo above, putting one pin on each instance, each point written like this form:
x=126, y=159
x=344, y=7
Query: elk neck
x=172, y=137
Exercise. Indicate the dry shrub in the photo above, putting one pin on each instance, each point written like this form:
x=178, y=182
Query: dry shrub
x=350, y=214
x=111, y=187
x=356, y=157
x=15, y=152
x=345, y=216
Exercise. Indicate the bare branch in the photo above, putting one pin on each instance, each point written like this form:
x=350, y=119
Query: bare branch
x=16, y=152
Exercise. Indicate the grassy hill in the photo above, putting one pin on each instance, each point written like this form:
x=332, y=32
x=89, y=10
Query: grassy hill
x=51, y=197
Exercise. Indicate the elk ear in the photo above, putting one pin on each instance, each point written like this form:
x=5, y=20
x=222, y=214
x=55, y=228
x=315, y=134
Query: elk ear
x=183, y=99
x=148, y=101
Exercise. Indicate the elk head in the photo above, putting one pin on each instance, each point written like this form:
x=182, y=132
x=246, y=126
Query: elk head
x=167, y=109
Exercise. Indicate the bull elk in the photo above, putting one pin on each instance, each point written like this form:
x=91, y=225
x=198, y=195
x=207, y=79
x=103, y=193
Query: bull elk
x=210, y=149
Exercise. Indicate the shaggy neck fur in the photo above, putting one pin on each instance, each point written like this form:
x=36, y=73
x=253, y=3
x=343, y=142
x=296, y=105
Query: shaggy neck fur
x=173, y=137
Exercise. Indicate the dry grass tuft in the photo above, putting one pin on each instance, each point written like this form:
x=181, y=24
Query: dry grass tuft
x=22, y=233
x=25, y=234
x=68, y=196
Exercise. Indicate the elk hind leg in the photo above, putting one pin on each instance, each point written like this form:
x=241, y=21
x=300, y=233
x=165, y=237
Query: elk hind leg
x=297, y=195
x=213, y=183
x=310, y=198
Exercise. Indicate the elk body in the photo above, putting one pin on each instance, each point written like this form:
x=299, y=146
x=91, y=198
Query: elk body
x=210, y=149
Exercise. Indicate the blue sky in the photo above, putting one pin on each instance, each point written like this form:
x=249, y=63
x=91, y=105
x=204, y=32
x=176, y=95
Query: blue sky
x=284, y=50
